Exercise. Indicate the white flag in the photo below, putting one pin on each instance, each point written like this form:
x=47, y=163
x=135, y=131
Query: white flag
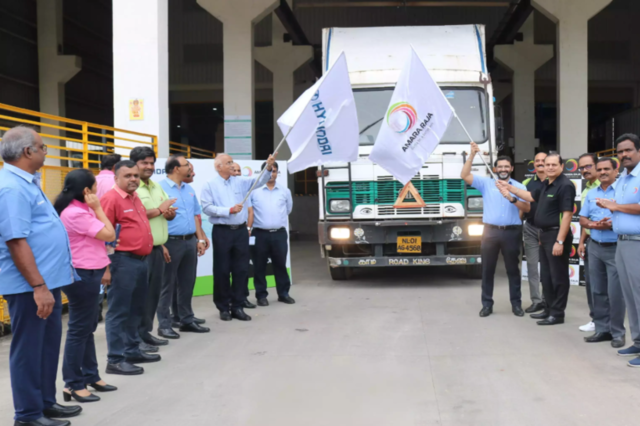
x=324, y=121
x=417, y=117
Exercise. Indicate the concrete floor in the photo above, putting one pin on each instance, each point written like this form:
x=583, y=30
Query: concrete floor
x=391, y=347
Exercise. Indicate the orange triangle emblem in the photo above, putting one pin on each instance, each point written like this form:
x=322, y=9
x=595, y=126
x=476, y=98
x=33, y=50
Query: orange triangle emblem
x=403, y=203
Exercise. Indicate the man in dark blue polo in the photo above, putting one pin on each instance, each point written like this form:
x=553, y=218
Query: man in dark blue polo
x=35, y=261
x=502, y=230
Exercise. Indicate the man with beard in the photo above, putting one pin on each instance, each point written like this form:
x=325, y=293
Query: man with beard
x=502, y=229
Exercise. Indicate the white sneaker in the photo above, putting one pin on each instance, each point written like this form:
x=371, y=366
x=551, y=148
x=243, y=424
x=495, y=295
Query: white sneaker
x=588, y=327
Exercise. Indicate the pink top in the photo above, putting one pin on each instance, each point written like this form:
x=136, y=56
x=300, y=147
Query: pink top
x=82, y=226
x=105, y=180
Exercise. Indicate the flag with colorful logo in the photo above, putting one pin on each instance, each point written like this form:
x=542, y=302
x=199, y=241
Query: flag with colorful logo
x=323, y=122
x=417, y=117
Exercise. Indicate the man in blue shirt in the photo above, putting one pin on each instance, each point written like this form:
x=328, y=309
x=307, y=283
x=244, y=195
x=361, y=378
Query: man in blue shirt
x=35, y=261
x=186, y=242
x=625, y=220
x=502, y=230
x=608, y=302
x=272, y=205
x=222, y=199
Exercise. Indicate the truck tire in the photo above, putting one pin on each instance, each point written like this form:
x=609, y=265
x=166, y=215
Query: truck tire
x=474, y=271
x=339, y=274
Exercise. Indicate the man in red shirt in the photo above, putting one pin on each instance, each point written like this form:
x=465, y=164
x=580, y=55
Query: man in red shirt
x=127, y=292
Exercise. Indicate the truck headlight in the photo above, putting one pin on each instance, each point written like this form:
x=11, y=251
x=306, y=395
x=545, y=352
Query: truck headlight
x=340, y=233
x=475, y=203
x=475, y=230
x=339, y=206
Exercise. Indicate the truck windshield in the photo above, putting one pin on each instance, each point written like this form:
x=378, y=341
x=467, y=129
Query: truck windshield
x=469, y=103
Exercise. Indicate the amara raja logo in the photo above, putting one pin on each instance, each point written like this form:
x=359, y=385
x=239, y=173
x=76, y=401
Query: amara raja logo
x=401, y=117
x=531, y=166
x=571, y=165
x=617, y=162
x=575, y=208
x=574, y=229
x=573, y=251
x=246, y=171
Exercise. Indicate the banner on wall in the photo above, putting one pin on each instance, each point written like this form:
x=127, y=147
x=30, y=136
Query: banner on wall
x=205, y=171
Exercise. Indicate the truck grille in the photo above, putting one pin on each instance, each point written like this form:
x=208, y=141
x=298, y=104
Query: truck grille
x=430, y=209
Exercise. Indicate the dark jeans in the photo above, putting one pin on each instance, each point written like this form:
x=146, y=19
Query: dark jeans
x=155, y=267
x=509, y=241
x=587, y=277
x=80, y=365
x=33, y=358
x=271, y=245
x=554, y=272
x=230, y=257
x=126, y=301
x=180, y=274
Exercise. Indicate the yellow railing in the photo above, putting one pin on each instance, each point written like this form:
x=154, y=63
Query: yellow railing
x=606, y=153
x=190, y=151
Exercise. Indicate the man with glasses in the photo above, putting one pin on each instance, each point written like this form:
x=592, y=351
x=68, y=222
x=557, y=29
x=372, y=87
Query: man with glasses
x=587, y=166
x=502, y=229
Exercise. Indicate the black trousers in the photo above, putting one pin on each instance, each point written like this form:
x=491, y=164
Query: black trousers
x=274, y=246
x=554, y=272
x=230, y=258
x=509, y=241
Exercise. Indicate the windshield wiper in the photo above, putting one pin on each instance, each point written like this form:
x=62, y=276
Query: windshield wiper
x=370, y=125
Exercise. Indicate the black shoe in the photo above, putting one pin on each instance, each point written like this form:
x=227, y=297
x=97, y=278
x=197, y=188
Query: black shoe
x=72, y=394
x=199, y=321
x=176, y=324
x=143, y=358
x=551, y=320
x=286, y=299
x=239, y=314
x=145, y=347
x=540, y=315
x=225, y=316
x=486, y=311
x=263, y=302
x=168, y=333
x=58, y=411
x=618, y=342
x=43, y=421
x=517, y=311
x=599, y=337
x=194, y=328
x=103, y=388
x=154, y=341
x=248, y=305
x=535, y=307
x=124, y=369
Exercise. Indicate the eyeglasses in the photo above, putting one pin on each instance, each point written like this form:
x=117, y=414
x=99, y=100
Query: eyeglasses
x=587, y=167
x=43, y=148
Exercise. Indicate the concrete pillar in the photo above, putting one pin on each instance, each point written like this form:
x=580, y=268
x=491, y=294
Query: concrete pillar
x=524, y=58
x=238, y=18
x=54, y=70
x=282, y=59
x=572, y=18
x=141, y=67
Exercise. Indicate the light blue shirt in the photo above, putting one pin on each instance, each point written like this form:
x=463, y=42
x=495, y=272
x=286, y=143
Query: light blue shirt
x=593, y=212
x=498, y=210
x=188, y=207
x=627, y=192
x=25, y=212
x=219, y=195
x=271, y=207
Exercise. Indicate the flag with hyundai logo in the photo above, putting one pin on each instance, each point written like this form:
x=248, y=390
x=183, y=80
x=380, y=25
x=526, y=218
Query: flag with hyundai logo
x=417, y=117
x=323, y=122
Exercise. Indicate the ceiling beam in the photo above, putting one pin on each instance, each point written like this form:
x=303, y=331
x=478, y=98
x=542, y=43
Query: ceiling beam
x=298, y=37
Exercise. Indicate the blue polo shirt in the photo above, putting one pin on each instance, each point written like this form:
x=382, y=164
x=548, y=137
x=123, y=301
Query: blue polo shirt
x=498, y=210
x=188, y=207
x=627, y=192
x=591, y=211
x=28, y=213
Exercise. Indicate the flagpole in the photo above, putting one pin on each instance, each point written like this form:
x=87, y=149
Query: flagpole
x=471, y=139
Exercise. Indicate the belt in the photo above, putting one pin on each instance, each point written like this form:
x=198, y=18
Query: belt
x=628, y=237
x=269, y=230
x=551, y=228
x=232, y=227
x=488, y=225
x=131, y=255
x=603, y=244
x=181, y=237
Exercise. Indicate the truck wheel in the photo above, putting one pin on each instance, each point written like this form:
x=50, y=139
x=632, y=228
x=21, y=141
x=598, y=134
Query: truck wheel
x=474, y=271
x=340, y=274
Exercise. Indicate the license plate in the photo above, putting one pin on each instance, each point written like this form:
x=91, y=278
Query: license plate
x=409, y=245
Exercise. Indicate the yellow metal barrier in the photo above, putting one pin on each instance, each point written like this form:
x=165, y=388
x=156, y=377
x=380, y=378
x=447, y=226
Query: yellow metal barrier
x=606, y=153
x=190, y=151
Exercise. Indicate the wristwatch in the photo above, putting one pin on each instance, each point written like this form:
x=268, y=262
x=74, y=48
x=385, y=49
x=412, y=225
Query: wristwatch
x=202, y=241
x=560, y=242
x=513, y=200
x=249, y=228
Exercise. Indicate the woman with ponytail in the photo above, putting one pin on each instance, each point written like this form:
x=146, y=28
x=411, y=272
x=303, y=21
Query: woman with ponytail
x=88, y=229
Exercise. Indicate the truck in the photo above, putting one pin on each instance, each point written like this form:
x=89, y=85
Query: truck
x=364, y=221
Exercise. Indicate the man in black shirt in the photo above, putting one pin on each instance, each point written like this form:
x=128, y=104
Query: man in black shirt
x=553, y=217
x=531, y=242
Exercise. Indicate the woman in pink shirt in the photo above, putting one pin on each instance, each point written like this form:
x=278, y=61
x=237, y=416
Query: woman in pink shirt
x=88, y=229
